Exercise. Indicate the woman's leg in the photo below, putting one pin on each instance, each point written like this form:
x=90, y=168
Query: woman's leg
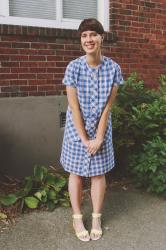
x=75, y=192
x=98, y=186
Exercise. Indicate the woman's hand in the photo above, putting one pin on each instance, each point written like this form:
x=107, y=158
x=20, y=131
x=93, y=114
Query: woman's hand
x=94, y=145
x=85, y=142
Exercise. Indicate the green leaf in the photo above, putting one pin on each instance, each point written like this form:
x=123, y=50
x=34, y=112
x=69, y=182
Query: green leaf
x=64, y=202
x=8, y=200
x=52, y=195
x=31, y=202
x=20, y=194
x=51, y=179
x=38, y=195
x=41, y=194
x=61, y=182
x=28, y=184
x=3, y=216
x=51, y=205
x=40, y=172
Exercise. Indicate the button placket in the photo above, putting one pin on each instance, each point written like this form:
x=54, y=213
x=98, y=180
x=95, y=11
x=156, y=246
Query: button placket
x=93, y=102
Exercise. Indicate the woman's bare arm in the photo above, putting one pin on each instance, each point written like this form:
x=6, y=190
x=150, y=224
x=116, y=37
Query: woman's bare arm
x=76, y=113
x=95, y=144
x=104, y=117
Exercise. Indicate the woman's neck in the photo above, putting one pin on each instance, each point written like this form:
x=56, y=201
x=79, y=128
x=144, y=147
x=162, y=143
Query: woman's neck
x=94, y=60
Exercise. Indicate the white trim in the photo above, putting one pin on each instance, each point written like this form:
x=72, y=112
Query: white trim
x=59, y=12
x=103, y=13
x=4, y=8
x=63, y=23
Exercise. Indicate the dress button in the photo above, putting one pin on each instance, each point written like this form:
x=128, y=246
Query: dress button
x=94, y=75
x=93, y=109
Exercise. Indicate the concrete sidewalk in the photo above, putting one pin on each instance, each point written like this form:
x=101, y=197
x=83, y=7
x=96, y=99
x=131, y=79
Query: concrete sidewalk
x=132, y=220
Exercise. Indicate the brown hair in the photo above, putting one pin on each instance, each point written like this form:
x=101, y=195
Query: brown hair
x=91, y=24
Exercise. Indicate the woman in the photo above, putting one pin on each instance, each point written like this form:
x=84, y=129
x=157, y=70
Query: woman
x=91, y=82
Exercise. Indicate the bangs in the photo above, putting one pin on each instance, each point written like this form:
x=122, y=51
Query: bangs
x=91, y=24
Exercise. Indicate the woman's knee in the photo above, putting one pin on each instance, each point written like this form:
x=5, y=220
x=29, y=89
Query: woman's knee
x=98, y=178
x=75, y=178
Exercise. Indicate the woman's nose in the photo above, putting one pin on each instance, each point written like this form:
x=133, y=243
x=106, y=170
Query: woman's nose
x=88, y=38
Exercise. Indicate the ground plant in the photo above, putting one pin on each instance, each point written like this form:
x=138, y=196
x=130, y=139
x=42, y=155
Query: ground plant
x=43, y=189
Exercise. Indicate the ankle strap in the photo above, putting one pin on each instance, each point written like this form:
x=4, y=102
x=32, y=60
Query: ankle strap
x=77, y=216
x=96, y=215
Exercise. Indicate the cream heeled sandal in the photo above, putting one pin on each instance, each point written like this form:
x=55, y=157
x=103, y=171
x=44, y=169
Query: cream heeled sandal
x=82, y=235
x=96, y=234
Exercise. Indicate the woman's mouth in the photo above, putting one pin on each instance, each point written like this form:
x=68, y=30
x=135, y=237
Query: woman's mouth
x=90, y=46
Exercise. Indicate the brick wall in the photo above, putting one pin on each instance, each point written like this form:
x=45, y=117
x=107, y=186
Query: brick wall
x=33, y=60
x=141, y=30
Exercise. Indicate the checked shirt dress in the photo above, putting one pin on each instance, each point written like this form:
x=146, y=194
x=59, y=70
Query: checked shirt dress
x=93, y=87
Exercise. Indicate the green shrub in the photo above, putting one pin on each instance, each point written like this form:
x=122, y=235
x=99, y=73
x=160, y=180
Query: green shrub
x=43, y=188
x=149, y=166
x=139, y=117
x=131, y=96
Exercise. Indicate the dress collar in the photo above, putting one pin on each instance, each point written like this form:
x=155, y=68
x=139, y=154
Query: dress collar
x=92, y=68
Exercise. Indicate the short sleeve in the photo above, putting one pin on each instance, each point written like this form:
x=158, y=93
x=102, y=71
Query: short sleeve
x=118, y=78
x=69, y=77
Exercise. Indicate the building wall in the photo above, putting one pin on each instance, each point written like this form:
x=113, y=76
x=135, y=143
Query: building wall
x=141, y=30
x=30, y=133
x=32, y=65
x=33, y=60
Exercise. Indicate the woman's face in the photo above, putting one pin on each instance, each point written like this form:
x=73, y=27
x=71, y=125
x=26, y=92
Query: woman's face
x=91, y=42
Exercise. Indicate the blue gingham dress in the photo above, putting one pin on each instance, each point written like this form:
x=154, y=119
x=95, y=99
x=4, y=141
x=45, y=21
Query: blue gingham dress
x=93, y=87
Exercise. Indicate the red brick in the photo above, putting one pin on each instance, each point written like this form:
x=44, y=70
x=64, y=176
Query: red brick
x=46, y=64
x=18, y=58
x=37, y=58
x=4, y=82
x=37, y=70
x=29, y=64
x=4, y=70
x=61, y=64
x=8, y=76
x=28, y=88
x=18, y=82
x=38, y=82
x=46, y=52
x=39, y=45
x=5, y=44
x=27, y=76
x=8, y=51
x=20, y=45
x=19, y=70
x=4, y=57
x=28, y=52
x=45, y=76
x=56, y=46
x=10, y=89
x=10, y=64
x=46, y=87
x=54, y=58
